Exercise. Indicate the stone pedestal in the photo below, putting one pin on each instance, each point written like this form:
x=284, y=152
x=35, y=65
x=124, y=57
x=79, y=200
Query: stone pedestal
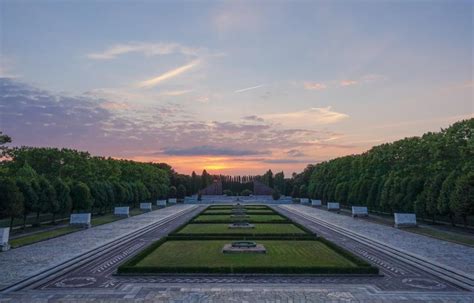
x=333, y=206
x=359, y=211
x=161, y=203
x=81, y=220
x=4, y=236
x=316, y=203
x=405, y=220
x=238, y=225
x=146, y=206
x=123, y=211
x=244, y=247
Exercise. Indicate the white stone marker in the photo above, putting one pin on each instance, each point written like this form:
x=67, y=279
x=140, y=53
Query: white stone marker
x=359, y=211
x=4, y=235
x=122, y=211
x=404, y=220
x=316, y=203
x=145, y=206
x=172, y=201
x=304, y=201
x=83, y=220
x=161, y=203
x=333, y=206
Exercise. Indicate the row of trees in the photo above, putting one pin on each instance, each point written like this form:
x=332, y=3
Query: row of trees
x=60, y=181
x=432, y=175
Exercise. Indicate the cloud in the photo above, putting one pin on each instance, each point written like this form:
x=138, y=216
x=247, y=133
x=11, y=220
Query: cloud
x=174, y=93
x=253, y=118
x=211, y=151
x=248, y=88
x=315, y=115
x=147, y=49
x=348, y=82
x=168, y=75
x=295, y=153
x=314, y=86
x=285, y=161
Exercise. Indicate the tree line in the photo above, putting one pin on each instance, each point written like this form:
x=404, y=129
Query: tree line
x=61, y=181
x=431, y=175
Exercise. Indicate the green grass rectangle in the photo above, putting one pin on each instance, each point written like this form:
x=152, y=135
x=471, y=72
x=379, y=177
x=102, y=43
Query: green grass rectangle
x=260, y=228
x=250, y=218
x=205, y=256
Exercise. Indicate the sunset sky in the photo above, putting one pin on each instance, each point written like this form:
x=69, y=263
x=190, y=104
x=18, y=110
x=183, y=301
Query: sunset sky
x=233, y=87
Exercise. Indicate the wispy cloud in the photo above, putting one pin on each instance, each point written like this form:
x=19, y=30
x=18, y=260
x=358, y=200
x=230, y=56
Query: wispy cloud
x=168, y=75
x=348, y=82
x=314, y=86
x=148, y=49
x=315, y=115
x=211, y=151
x=248, y=88
x=174, y=93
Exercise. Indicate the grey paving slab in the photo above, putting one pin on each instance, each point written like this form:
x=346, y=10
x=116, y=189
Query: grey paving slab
x=459, y=257
x=20, y=263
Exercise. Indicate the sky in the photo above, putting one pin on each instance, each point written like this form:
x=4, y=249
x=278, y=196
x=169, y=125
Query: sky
x=232, y=87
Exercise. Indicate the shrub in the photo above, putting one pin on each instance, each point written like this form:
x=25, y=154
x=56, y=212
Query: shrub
x=227, y=192
x=246, y=192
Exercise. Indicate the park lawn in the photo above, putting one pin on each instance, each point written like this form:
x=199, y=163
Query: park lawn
x=229, y=211
x=48, y=234
x=208, y=254
x=41, y=236
x=260, y=228
x=250, y=218
x=442, y=235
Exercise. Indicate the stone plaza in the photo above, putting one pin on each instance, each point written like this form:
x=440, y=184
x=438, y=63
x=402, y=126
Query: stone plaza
x=413, y=268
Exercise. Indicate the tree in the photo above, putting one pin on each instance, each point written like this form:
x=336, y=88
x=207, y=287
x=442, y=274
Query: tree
x=303, y=191
x=63, y=196
x=444, y=198
x=181, y=192
x=172, y=192
x=29, y=195
x=295, y=193
x=81, y=197
x=46, y=199
x=276, y=194
x=11, y=200
x=462, y=201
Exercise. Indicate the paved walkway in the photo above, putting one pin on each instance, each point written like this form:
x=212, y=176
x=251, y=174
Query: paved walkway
x=450, y=254
x=21, y=263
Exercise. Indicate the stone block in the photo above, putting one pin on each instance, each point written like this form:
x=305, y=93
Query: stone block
x=172, y=201
x=333, y=206
x=146, y=206
x=122, y=211
x=360, y=211
x=404, y=220
x=316, y=203
x=161, y=203
x=4, y=237
x=82, y=220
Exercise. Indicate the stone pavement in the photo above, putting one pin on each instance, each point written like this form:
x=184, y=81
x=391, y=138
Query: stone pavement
x=459, y=257
x=21, y=263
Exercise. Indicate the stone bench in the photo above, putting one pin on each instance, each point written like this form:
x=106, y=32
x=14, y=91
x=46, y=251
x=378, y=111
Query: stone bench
x=316, y=203
x=146, y=206
x=333, y=206
x=81, y=220
x=161, y=203
x=360, y=211
x=405, y=220
x=4, y=236
x=122, y=211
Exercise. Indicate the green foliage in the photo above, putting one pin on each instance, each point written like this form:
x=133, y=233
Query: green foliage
x=11, y=199
x=81, y=197
x=276, y=194
x=228, y=192
x=181, y=192
x=246, y=192
x=420, y=174
x=172, y=192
